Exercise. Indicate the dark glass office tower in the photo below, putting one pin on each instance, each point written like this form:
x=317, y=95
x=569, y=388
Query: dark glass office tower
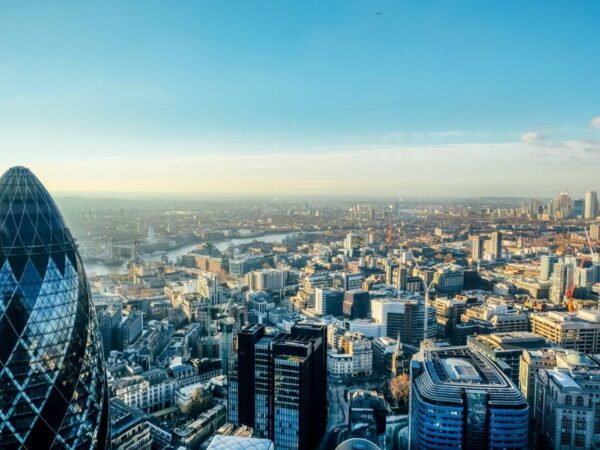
x=278, y=385
x=52, y=381
x=241, y=376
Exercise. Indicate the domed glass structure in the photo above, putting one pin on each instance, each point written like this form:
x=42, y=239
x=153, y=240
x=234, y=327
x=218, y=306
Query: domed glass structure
x=53, y=390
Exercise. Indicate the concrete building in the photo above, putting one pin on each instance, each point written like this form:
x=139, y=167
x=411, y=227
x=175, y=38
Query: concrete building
x=449, y=278
x=532, y=361
x=496, y=245
x=505, y=349
x=193, y=433
x=329, y=301
x=562, y=278
x=367, y=414
x=575, y=331
x=357, y=304
x=129, y=429
x=242, y=264
x=477, y=248
x=591, y=205
x=339, y=365
x=567, y=404
x=547, y=266
x=404, y=318
x=266, y=279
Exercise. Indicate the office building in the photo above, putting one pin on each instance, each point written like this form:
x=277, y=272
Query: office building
x=339, y=365
x=591, y=205
x=578, y=207
x=357, y=304
x=567, y=405
x=109, y=322
x=266, y=279
x=242, y=264
x=532, y=361
x=505, y=349
x=562, y=207
x=547, y=266
x=449, y=278
x=496, y=245
x=241, y=377
x=595, y=231
x=477, y=248
x=562, y=278
x=130, y=329
x=129, y=429
x=54, y=388
x=367, y=413
x=399, y=277
x=351, y=281
x=460, y=399
x=358, y=347
x=574, y=331
x=448, y=315
x=404, y=318
x=278, y=384
x=329, y=301
x=192, y=433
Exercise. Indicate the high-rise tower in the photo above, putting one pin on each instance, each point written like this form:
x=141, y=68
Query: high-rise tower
x=52, y=381
x=591, y=205
x=278, y=384
x=459, y=399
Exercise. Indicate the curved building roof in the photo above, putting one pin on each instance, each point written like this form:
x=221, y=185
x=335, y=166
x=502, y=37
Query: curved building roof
x=446, y=374
x=53, y=388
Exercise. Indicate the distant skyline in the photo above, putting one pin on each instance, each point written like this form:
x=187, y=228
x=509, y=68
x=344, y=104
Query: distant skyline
x=383, y=98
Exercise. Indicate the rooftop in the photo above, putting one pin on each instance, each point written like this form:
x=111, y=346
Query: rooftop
x=446, y=373
x=220, y=442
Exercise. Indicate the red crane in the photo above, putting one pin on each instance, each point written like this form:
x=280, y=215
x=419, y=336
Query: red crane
x=388, y=237
x=571, y=289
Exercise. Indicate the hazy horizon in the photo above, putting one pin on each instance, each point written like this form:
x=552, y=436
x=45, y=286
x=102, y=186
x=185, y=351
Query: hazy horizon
x=454, y=99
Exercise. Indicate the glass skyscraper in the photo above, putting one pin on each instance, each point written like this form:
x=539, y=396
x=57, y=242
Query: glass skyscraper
x=462, y=400
x=278, y=384
x=52, y=381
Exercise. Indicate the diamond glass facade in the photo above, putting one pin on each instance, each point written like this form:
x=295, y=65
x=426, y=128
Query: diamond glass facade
x=52, y=382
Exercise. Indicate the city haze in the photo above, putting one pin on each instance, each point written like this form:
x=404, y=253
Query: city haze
x=348, y=98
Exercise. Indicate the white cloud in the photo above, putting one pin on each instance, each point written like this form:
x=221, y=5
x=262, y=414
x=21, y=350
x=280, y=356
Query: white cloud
x=531, y=137
x=531, y=167
x=595, y=123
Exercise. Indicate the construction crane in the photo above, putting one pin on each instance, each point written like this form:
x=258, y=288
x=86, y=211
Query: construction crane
x=390, y=231
x=569, y=295
x=426, y=300
x=589, y=242
x=571, y=289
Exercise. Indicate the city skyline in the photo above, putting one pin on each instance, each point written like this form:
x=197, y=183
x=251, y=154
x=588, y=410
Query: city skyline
x=286, y=98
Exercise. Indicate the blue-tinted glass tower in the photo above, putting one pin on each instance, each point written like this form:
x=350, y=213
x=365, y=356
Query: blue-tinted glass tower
x=52, y=381
x=461, y=400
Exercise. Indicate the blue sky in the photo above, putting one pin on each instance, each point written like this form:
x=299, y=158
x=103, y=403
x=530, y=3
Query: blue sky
x=390, y=97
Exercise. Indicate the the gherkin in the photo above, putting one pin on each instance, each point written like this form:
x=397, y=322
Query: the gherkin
x=52, y=381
